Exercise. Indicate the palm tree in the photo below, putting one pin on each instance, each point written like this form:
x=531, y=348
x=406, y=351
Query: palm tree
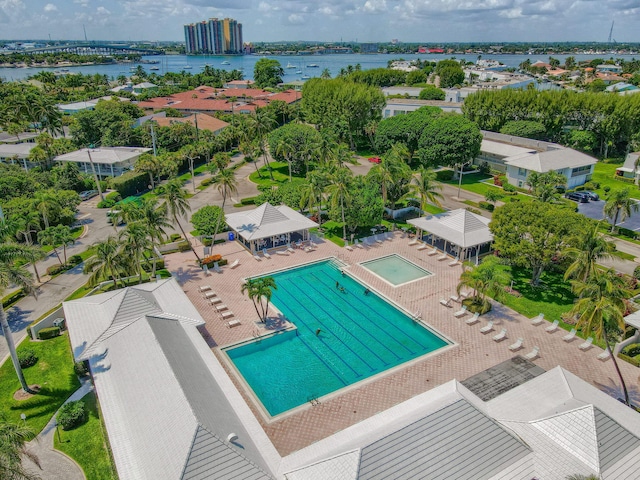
x=46, y=203
x=260, y=290
x=13, y=439
x=135, y=241
x=154, y=217
x=287, y=149
x=175, y=199
x=619, y=204
x=226, y=184
x=106, y=262
x=424, y=184
x=340, y=194
x=10, y=274
x=149, y=164
x=589, y=248
x=60, y=235
x=263, y=123
x=600, y=309
x=313, y=192
x=392, y=167
x=23, y=227
x=486, y=279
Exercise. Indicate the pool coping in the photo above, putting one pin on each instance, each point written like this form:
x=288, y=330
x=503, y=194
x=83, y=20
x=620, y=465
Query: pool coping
x=416, y=317
x=393, y=285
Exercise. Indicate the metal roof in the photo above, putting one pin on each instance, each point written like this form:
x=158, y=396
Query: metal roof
x=555, y=159
x=460, y=227
x=502, y=149
x=268, y=221
x=458, y=441
x=103, y=155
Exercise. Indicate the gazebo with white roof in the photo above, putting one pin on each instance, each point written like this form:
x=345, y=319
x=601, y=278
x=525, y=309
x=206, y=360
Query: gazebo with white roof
x=269, y=227
x=460, y=233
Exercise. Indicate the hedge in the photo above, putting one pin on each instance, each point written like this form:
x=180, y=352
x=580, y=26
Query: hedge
x=627, y=233
x=130, y=183
x=47, y=333
x=27, y=358
x=633, y=361
x=486, y=206
x=71, y=415
x=444, y=175
x=632, y=350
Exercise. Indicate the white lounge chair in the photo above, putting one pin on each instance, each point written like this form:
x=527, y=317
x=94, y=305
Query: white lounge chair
x=586, y=345
x=473, y=320
x=235, y=263
x=358, y=244
x=454, y=263
x=282, y=252
x=446, y=303
x=423, y=246
x=349, y=247
x=433, y=252
x=516, y=346
x=553, y=327
x=210, y=294
x=500, y=336
x=465, y=294
x=456, y=298
x=442, y=257
x=265, y=253
x=461, y=312
x=215, y=300
x=413, y=242
x=604, y=355
x=257, y=257
x=533, y=353
x=204, y=288
x=227, y=314
x=206, y=271
x=570, y=336
x=220, y=308
x=378, y=239
x=290, y=249
x=233, y=323
x=487, y=328
x=537, y=320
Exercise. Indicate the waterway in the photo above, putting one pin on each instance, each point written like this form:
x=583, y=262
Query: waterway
x=301, y=64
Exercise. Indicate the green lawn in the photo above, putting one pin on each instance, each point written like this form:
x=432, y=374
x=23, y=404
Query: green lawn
x=605, y=175
x=280, y=172
x=53, y=372
x=75, y=233
x=475, y=183
x=433, y=209
x=87, y=444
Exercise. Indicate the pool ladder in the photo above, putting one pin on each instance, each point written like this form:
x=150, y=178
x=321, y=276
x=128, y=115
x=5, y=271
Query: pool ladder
x=314, y=401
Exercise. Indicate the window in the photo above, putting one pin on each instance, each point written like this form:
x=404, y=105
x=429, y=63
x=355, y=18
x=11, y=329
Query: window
x=581, y=171
x=522, y=172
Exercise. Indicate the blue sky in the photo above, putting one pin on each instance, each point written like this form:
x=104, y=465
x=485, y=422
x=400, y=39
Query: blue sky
x=328, y=20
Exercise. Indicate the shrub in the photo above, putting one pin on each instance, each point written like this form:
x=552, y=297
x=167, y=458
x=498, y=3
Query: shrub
x=106, y=203
x=71, y=415
x=486, y=206
x=27, y=358
x=80, y=368
x=174, y=237
x=184, y=246
x=248, y=201
x=474, y=305
x=507, y=187
x=632, y=350
x=473, y=210
x=55, y=269
x=514, y=199
x=130, y=183
x=75, y=260
x=206, y=182
x=591, y=185
x=579, y=188
x=444, y=175
x=627, y=233
x=631, y=360
x=47, y=333
x=113, y=197
x=636, y=273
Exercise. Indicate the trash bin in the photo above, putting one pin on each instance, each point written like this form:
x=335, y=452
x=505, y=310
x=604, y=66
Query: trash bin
x=232, y=236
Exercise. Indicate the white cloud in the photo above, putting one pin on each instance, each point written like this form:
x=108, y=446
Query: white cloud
x=102, y=11
x=375, y=6
x=295, y=19
x=50, y=7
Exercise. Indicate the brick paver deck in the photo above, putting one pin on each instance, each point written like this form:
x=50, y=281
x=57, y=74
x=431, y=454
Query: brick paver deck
x=472, y=352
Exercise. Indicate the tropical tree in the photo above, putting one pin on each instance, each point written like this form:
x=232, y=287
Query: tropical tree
x=267, y=72
x=392, y=168
x=11, y=274
x=260, y=290
x=13, y=440
x=106, y=262
x=263, y=123
x=135, y=242
x=486, y=279
x=600, y=310
x=587, y=248
x=619, y=205
x=151, y=165
x=58, y=236
x=46, y=204
x=492, y=195
x=226, y=184
x=340, y=194
x=175, y=200
x=313, y=192
x=423, y=184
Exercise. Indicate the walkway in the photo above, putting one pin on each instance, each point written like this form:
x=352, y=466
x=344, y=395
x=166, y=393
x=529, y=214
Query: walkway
x=55, y=465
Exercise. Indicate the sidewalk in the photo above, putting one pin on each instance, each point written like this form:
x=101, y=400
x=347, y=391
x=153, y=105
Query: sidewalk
x=55, y=465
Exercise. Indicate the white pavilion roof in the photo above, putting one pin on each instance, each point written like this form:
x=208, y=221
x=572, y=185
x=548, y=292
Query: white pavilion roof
x=460, y=227
x=268, y=221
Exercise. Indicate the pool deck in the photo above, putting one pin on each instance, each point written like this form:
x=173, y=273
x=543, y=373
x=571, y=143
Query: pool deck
x=472, y=353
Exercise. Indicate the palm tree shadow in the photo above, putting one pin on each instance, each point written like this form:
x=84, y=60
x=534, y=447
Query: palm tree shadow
x=614, y=389
x=184, y=275
x=276, y=323
x=18, y=318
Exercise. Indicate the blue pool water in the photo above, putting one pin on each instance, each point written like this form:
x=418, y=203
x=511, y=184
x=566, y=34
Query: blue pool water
x=396, y=269
x=360, y=336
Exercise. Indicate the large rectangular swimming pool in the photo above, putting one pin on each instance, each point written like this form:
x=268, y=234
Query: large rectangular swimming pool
x=360, y=335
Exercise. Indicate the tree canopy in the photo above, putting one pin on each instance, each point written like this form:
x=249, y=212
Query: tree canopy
x=295, y=143
x=449, y=140
x=267, y=73
x=431, y=92
x=404, y=129
x=524, y=128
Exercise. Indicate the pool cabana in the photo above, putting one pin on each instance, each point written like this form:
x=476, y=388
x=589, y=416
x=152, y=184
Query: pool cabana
x=268, y=227
x=460, y=233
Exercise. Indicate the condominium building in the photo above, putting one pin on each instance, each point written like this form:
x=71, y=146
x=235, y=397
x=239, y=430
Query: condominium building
x=215, y=36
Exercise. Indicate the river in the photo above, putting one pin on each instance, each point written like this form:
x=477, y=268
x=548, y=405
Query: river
x=301, y=63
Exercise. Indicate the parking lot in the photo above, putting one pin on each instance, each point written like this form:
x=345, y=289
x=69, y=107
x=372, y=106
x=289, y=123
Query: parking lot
x=594, y=210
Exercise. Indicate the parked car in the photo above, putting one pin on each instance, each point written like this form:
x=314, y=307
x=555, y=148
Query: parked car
x=87, y=194
x=592, y=195
x=579, y=197
x=374, y=159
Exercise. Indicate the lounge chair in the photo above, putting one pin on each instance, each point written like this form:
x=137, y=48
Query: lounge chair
x=206, y=271
x=290, y=249
x=299, y=244
x=257, y=257
x=465, y=294
x=221, y=307
x=586, y=345
x=235, y=263
x=349, y=247
x=265, y=253
x=358, y=244
x=216, y=268
x=422, y=246
x=378, y=239
x=461, y=312
x=533, y=354
x=516, y=346
x=446, y=303
x=473, y=320
x=413, y=242
x=553, y=327
x=227, y=314
x=442, y=257
x=233, y=323
x=433, y=252
x=204, y=288
x=454, y=263
x=210, y=294
x=456, y=298
x=604, y=355
x=500, y=336
x=282, y=252
x=215, y=300
x=570, y=336
x=537, y=320
x=487, y=328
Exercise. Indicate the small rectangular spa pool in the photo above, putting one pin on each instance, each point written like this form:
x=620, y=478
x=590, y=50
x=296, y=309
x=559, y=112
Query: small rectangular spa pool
x=395, y=269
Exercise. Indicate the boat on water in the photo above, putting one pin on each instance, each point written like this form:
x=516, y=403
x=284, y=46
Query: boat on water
x=290, y=66
x=187, y=67
x=305, y=77
x=298, y=72
x=154, y=68
x=313, y=65
x=226, y=63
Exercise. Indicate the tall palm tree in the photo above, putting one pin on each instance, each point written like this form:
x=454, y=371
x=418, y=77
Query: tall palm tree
x=11, y=274
x=227, y=185
x=340, y=194
x=23, y=228
x=175, y=199
x=600, y=309
x=312, y=193
x=135, y=242
x=589, y=248
x=486, y=279
x=260, y=290
x=619, y=205
x=424, y=184
x=392, y=167
x=13, y=440
x=154, y=217
x=46, y=204
x=106, y=262
x=263, y=123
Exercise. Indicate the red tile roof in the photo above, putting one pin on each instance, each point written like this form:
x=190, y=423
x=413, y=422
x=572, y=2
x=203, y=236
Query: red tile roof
x=205, y=122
